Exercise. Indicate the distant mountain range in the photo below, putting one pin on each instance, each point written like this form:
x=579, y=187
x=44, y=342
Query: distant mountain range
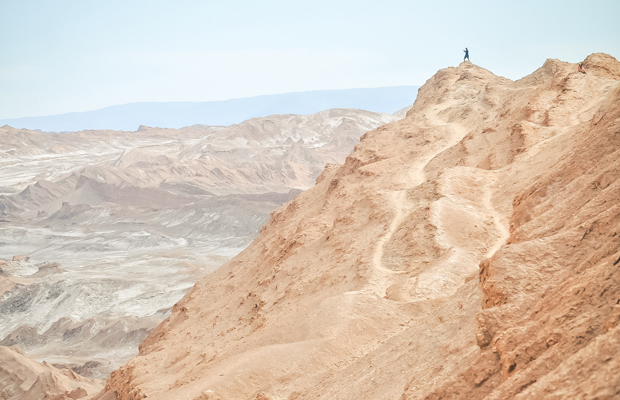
x=129, y=117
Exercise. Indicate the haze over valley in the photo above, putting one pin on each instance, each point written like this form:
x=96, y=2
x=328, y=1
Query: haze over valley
x=335, y=200
x=111, y=228
x=180, y=114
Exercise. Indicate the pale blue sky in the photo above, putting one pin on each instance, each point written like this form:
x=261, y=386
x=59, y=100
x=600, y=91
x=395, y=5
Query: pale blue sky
x=75, y=55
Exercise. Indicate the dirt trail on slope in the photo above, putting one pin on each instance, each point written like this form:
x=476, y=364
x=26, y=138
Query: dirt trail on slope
x=380, y=280
x=499, y=221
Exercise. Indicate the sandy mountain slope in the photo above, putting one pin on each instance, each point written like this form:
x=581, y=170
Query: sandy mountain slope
x=115, y=227
x=468, y=251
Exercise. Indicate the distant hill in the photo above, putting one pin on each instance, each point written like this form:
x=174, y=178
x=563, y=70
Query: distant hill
x=200, y=192
x=129, y=117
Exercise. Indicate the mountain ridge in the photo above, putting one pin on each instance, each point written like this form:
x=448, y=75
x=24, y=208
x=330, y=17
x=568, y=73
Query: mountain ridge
x=466, y=252
x=110, y=228
x=129, y=117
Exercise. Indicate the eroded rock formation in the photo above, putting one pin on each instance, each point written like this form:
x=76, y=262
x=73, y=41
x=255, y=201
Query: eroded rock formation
x=101, y=232
x=468, y=251
x=24, y=379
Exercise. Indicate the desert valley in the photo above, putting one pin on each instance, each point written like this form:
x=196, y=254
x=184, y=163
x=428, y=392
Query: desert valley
x=466, y=247
x=106, y=230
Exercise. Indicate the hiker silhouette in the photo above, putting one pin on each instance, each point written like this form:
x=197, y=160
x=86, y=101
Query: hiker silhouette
x=466, y=54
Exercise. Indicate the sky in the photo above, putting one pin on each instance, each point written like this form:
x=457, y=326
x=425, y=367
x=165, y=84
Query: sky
x=60, y=56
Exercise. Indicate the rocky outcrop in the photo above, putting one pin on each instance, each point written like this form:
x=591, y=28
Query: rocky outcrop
x=467, y=251
x=22, y=378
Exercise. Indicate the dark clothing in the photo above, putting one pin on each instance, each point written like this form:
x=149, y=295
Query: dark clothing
x=466, y=55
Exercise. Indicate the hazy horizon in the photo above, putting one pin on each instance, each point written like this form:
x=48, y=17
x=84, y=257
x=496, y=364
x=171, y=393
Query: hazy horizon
x=128, y=117
x=69, y=56
x=216, y=101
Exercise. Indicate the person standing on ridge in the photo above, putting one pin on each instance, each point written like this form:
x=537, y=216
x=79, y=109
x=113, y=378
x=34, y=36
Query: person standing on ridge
x=466, y=54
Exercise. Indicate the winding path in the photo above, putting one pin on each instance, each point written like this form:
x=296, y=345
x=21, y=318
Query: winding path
x=498, y=220
x=381, y=276
x=380, y=279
